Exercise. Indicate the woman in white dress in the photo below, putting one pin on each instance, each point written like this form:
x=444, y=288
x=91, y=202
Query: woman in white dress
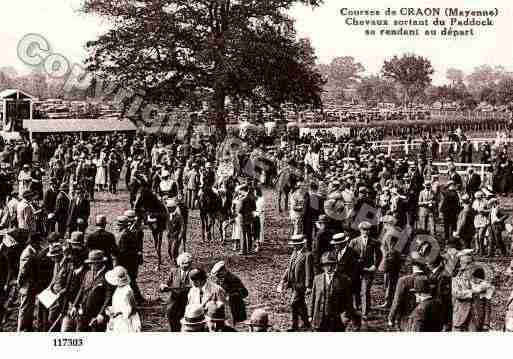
x=101, y=171
x=124, y=317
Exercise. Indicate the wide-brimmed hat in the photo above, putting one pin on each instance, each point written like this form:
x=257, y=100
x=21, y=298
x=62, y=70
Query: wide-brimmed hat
x=118, y=277
x=340, y=238
x=215, y=312
x=297, y=239
x=217, y=267
x=96, y=256
x=259, y=318
x=194, y=315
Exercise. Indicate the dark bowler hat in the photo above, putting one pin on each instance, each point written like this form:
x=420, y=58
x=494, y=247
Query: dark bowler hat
x=328, y=258
x=96, y=256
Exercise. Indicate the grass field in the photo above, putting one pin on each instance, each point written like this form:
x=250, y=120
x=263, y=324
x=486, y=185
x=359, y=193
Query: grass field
x=260, y=273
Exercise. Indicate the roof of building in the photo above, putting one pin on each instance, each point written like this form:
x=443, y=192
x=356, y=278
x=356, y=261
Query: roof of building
x=79, y=125
x=15, y=94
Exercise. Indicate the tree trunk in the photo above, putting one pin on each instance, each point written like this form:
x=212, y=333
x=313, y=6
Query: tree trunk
x=219, y=112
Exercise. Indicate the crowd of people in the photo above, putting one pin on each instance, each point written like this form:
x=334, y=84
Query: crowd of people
x=64, y=270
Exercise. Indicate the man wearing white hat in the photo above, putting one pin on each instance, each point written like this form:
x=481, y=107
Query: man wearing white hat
x=298, y=278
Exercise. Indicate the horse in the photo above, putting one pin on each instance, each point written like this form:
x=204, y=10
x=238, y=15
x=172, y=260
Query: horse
x=209, y=204
x=283, y=185
x=148, y=206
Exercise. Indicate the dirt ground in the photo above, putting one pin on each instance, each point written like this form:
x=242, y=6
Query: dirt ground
x=260, y=273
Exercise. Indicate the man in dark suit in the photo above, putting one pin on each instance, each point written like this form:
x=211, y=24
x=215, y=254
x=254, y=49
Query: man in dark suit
x=28, y=280
x=234, y=288
x=298, y=278
x=427, y=316
x=404, y=299
x=331, y=298
x=345, y=256
x=62, y=206
x=314, y=207
x=93, y=297
x=129, y=255
x=368, y=253
x=465, y=229
x=79, y=208
x=50, y=197
x=441, y=286
x=178, y=284
x=449, y=209
x=473, y=183
x=103, y=240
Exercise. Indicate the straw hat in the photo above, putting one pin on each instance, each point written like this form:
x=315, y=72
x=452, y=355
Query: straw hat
x=339, y=238
x=297, y=239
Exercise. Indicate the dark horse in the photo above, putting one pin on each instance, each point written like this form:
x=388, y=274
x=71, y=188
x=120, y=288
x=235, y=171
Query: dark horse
x=155, y=215
x=284, y=183
x=210, y=205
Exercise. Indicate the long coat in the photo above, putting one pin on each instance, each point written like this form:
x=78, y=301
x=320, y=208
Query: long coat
x=61, y=207
x=329, y=301
x=299, y=274
x=29, y=270
x=94, y=295
x=236, y=292
x=78, y=209
x=179, y=286
x=404, y=301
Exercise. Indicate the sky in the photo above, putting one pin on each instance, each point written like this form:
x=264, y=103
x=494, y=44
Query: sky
x=67, y=31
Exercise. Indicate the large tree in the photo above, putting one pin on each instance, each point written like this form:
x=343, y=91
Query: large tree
x=410, y=71
x=173, y=49
x=377, y=88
